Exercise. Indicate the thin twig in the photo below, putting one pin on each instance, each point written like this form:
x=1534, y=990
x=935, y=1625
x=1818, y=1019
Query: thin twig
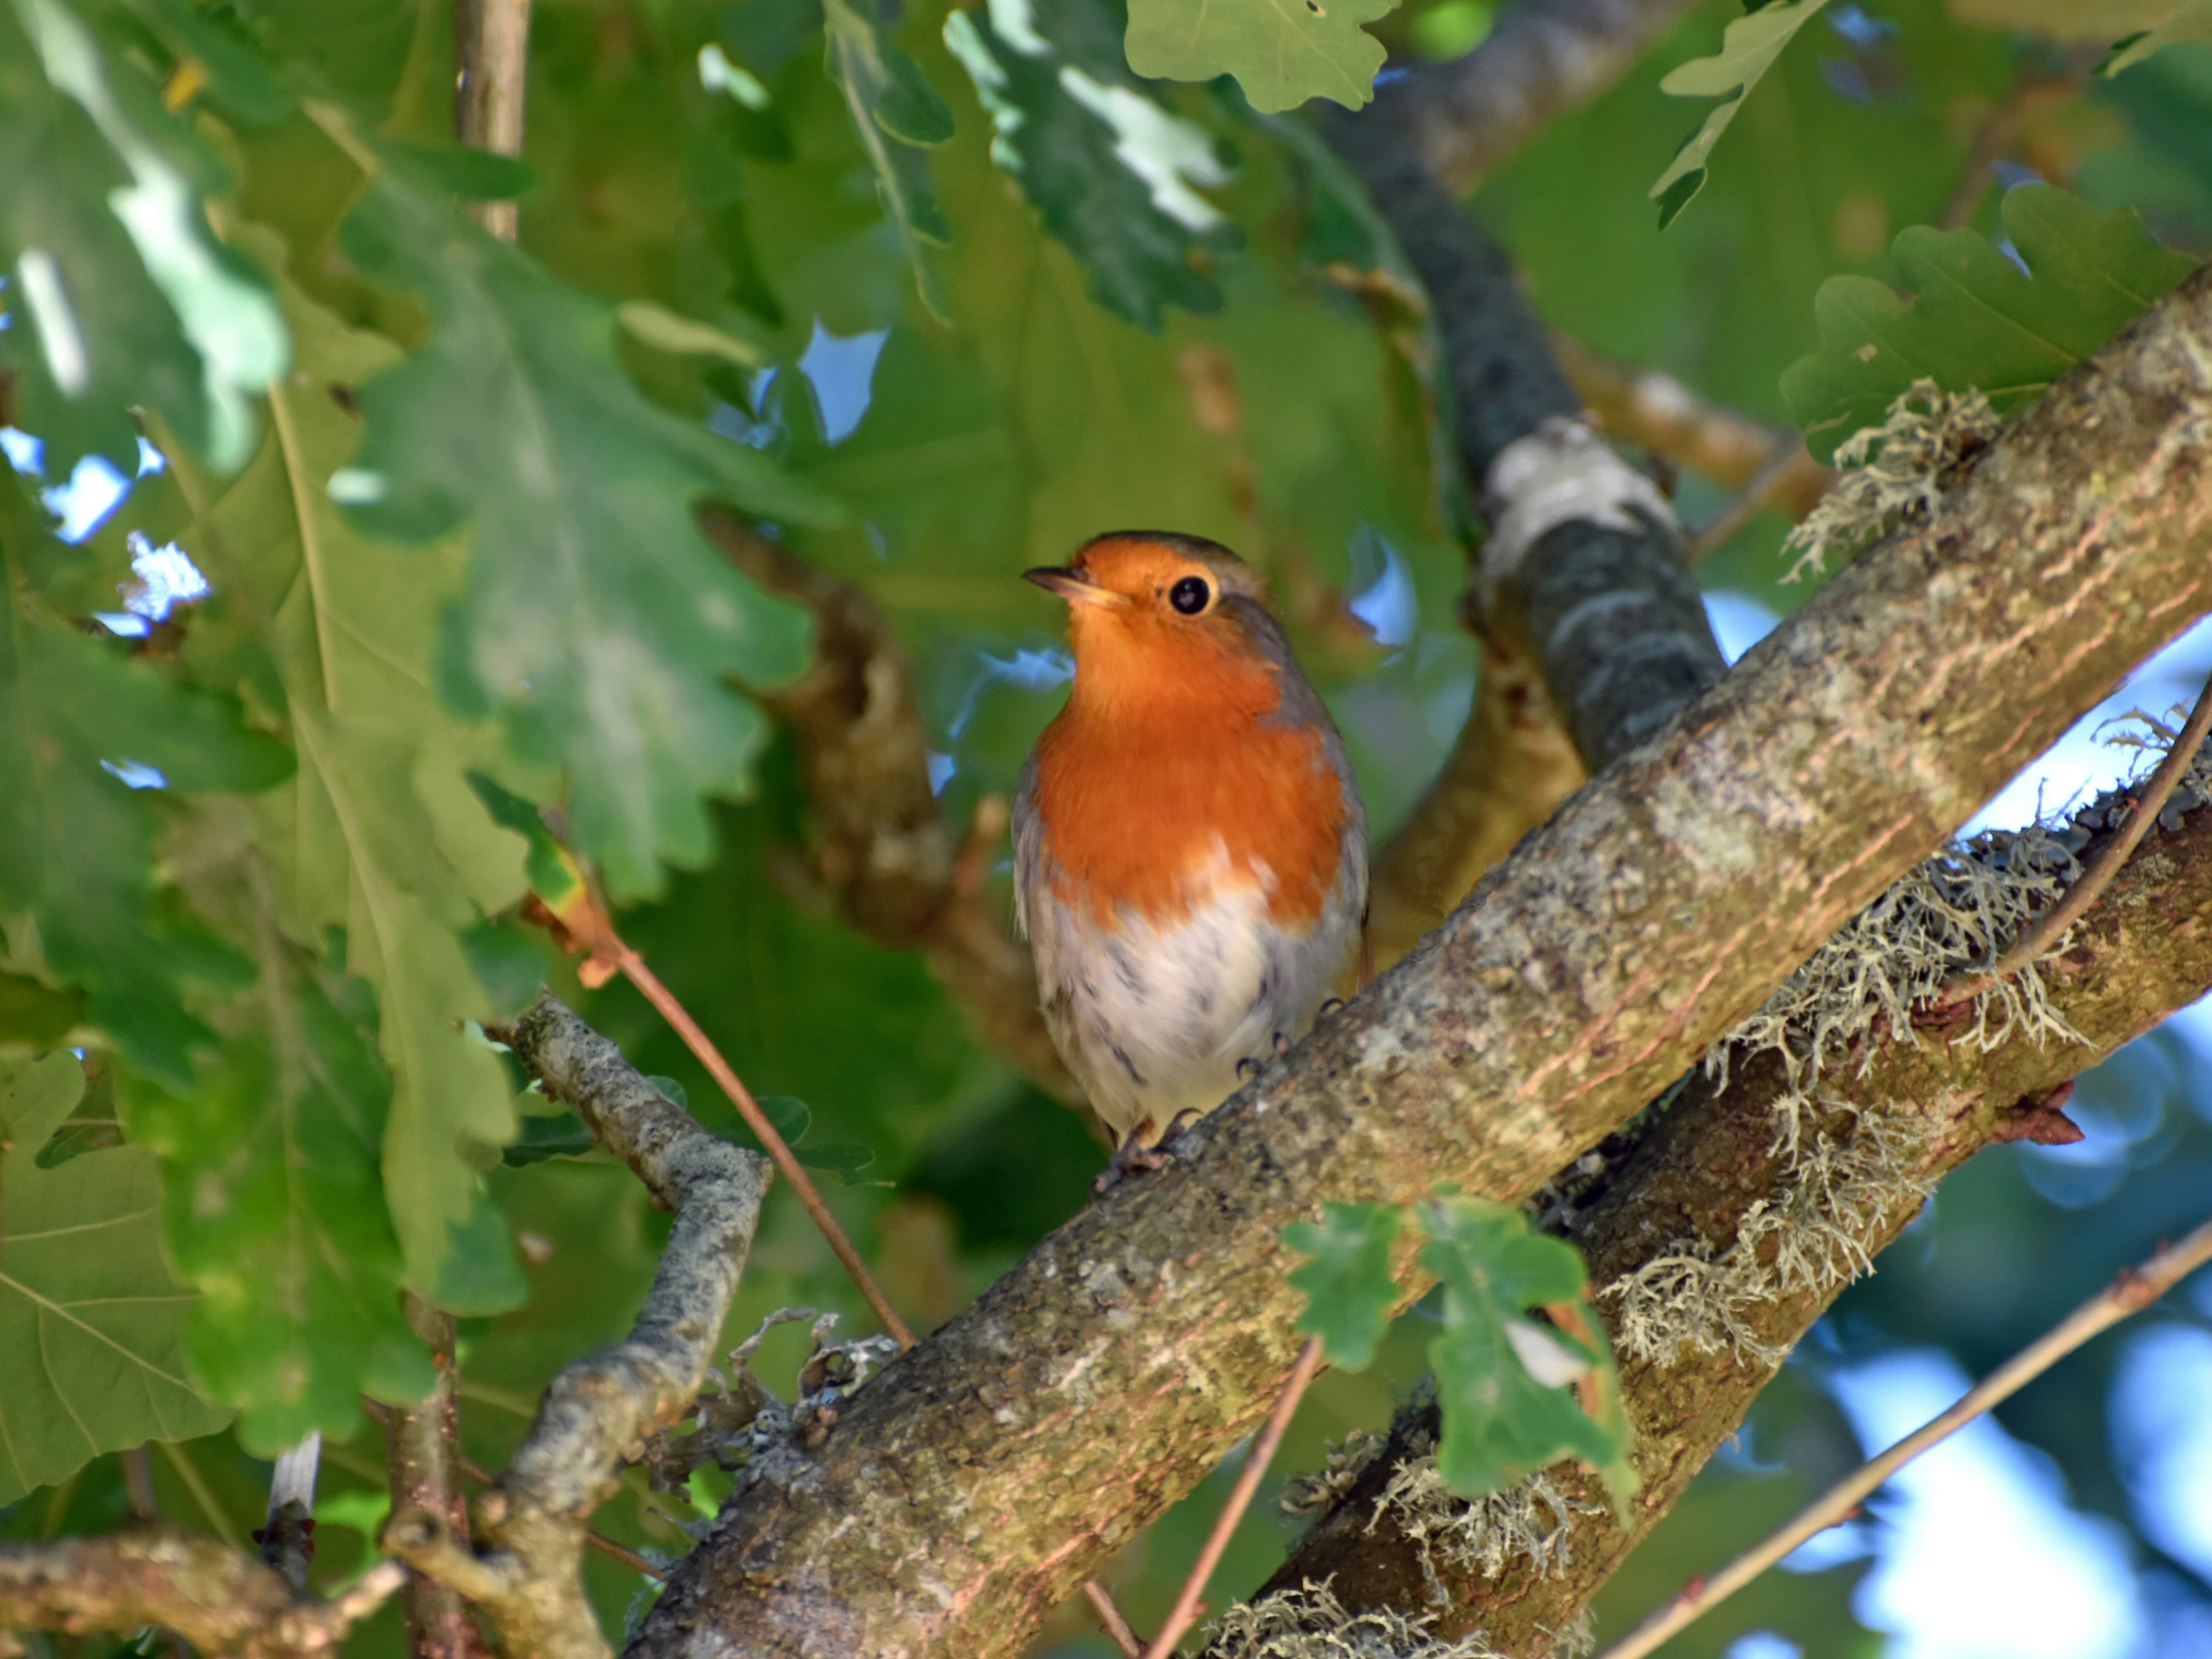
x=138, y=1484
x=2048, y=928
x=491, y=48
x=2034, y=88
x=2134, y=1290
x=633, y=968
x=1110, y=1620
x=1186, y=1606
x=1764, y=490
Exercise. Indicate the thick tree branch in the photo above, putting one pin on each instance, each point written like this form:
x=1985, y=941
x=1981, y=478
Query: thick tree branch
x=599, y=1410
x=220, y=1599
x=973, y=1484
x=1544, y=57
x=1394, y=1541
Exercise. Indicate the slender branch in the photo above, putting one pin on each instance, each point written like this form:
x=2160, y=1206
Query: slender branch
x=491, y=51
x=422, y=1445
x=138, y=1484
x=703, y=1050
x=2037, y=86
x=2134, y=1290
x=529, y=1582
x=1767, y=488
x=2051, y=927
x=220, y=1599
x=1186, y=1606
x=1111, y=1621
x=1543, y=59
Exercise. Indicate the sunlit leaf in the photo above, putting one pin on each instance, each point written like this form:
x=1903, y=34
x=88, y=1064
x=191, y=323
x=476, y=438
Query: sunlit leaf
x=1110, y=170
x=1749, y=48
x=597, y=622
x=125, y=297
x=1282, y=52
x=89, y=1315
x=1973, y=318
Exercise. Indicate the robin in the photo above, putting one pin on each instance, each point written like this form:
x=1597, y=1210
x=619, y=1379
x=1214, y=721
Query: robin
x=1190, y=851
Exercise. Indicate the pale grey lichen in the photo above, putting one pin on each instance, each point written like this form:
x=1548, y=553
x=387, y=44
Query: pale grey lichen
x=1892, y=472
x=1318, y=1492
x=1311, y=1623
x=1816, y=1234
x=1531, y=1523
x=1960, y=909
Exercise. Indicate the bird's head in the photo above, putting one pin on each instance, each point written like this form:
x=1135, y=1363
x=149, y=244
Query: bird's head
x=1158, y=616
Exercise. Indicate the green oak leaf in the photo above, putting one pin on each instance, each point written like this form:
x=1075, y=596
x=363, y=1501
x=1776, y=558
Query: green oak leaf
x=2189, y=24
x=1282, y=52
x=1349, y=1286
x=1111, y=173
x=36, y=1017
x=1975, y=318
x=89, y=1318
x=1749, y=48
x=1501, y=1376
x=896, y=112
x=77, y=713
x=597, y=621
x=381, y=834
x=123, y=295
x=274, y=1206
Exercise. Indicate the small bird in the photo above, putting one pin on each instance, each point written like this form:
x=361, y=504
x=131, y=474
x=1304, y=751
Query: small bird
x=1190, y=850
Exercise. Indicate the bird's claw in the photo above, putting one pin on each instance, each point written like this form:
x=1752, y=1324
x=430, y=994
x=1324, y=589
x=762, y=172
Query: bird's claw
x=1282, y=1043
x=1332, y=1006
x=1248, y=1068
x=1132, y=1156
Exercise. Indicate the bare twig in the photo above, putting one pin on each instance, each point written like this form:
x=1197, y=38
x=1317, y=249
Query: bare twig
x=1111, y=1621
x=422, y=1445
x=1186, y=1606
x=1766, y=489
x=2134, y=1290
x=600, y=1407
x=2049, y=927
x=491, y=50
x=703, y=1050
x=138, y=1484
x=2034, y=89
x=220, y=1599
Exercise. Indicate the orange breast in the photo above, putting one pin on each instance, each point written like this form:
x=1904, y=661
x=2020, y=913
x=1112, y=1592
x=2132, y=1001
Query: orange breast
x=1131, y=806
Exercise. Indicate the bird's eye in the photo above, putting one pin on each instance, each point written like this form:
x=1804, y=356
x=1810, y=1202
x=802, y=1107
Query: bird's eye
x=1190, y=595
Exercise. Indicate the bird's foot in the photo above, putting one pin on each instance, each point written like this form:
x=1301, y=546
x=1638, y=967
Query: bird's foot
x=1248, y=1068
x=1332, y=1006
x=1282, y=1043
x=1132, y=1156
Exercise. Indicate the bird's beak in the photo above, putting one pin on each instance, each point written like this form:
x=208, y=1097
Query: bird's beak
x=1073, y=586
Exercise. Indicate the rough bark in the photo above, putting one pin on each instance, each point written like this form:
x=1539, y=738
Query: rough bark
x=970, y=1487
x=2142, y=952
x=220, y=1599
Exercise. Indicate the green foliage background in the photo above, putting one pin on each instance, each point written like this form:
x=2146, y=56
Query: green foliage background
x=894, y=285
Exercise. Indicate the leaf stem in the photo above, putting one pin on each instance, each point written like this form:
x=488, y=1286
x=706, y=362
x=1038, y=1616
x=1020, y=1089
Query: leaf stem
x=1186, y=1606
x=633, y=968
x=2134, y=1290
